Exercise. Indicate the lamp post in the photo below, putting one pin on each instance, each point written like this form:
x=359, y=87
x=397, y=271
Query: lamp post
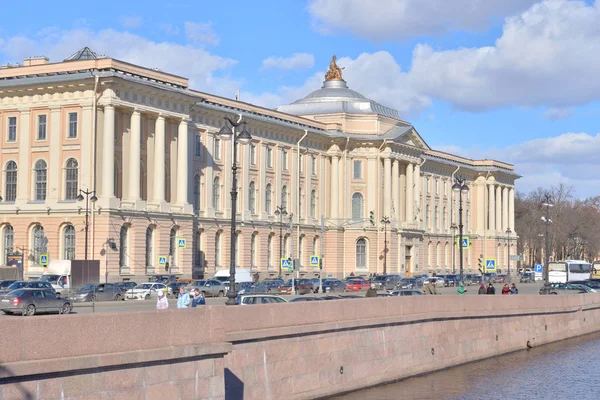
x=454, y=227
x=93, y=199
x=460, y=187
x=546, y=219
x=281, y=212
x=242, y=137
x=385, y=221
x=508, y=232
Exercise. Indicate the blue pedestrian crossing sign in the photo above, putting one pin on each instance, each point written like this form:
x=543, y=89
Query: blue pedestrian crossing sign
x=490, y=264
x=314, y=261
x=181, y=243
x=539, y=268
x=43, y=260
x=466, y=242
x=162, y=261
x=286, y=264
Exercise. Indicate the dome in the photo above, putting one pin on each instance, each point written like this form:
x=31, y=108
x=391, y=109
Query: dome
x=331, y=91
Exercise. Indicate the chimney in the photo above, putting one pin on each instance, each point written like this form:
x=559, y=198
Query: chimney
x=37, y=60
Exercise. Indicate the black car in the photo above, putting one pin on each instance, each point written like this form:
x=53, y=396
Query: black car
x=6, y=283
x=28, y=285
x=589, y=283
x=451, y=280
x=333, y=285
x=29, y=302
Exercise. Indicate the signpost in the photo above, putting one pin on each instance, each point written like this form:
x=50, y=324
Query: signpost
x=286, y=264
x=162, y=261
x=314, y=261
x=466, y=242
x=181, y=243
x=44, y=260
x=490, y=265
x=538, y=270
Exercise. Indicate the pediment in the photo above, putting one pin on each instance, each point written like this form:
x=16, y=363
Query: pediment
x=412, y=138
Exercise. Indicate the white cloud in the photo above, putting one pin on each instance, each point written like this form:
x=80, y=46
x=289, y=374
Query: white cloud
x=201, y=33
x=130, y=21
x=557, y=113
x=295, y=61
x=398, y=19
x=207, y=72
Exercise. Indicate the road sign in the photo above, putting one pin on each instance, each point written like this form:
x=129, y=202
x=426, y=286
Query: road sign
x=490, y=264
x=314, y=261
x=162, y=261
x=181, y=243
x=466, y=242
x=538, y=268
x=286, y=264
x=43, y=260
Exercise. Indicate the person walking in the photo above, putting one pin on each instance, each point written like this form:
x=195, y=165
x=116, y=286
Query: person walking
x=461, y=289
x=183, y=300
x=513, y=289
x=161, y=303
x=490, y=289
x=198, y=298
x=372, y=292
x=482, y=289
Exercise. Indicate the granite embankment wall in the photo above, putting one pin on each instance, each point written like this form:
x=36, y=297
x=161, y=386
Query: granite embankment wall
x=291, y=351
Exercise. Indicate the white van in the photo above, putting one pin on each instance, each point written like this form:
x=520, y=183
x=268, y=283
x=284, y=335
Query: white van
x=58, y=274
x=241, y=275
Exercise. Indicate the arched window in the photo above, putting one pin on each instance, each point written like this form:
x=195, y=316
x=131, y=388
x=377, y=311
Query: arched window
x=357, y=206
x=71, y=179
x=252, y=198
x=173, y=247
x=253, y=250
x=8, y=240
x=218, y=250
x=196, y=194
x=124, y=247
x=270, y=251
x=313, y=203
x=216, y=194
x=11, y=181
x=39, y=243
x=284, y=195
x=41, y=179
x=361, y=253
x=268, y=199
x=69, y=242
x=149, y=250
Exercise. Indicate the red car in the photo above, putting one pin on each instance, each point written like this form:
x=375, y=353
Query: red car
x=363, y=282
x=354, y=285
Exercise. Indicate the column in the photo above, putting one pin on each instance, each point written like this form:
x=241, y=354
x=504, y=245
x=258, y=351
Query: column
x=387, y=187
x=159, y=160
x=480, y=208
x=410, y=192
x=417, y=192
x=372, y=195
x=499, y=209
x=395, y=190
x=505, y=223
x=182, y=163
x=261, y=150
x=208, y=176
x=491, y=208
x=108, y=153
x=511, y=209
x=26, y=159
x=334, y=186
x=54, y=166
x=134, y=156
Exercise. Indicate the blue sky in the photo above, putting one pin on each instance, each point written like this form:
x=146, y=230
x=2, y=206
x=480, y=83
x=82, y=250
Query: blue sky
x=514, y=80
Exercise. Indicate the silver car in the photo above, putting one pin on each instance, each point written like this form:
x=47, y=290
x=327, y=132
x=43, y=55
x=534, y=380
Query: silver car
x=248, y=299
x=98, y=292
x=213, y=288
x=32, y=301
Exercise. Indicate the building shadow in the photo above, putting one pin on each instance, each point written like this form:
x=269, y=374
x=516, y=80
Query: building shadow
x=9, y=379
x=234, y=387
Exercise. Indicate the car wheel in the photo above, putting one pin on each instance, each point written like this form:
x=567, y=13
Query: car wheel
x=117, y=298
x=65, y=309
x=29, y=310
x=147, y=297
x=93, y=298
x=220, y=294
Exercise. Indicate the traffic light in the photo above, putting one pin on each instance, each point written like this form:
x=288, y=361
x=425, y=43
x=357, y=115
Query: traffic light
x=480, y=263
x=372, y=217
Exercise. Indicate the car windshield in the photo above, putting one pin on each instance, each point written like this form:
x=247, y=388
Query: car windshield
x=88, y=288
x=288, y=282
x=17, y=285
x=49, y=278
x=380, y=278
x=18, y=293
x=144, y=286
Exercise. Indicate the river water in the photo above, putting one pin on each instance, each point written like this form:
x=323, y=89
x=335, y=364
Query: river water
x=564, y=370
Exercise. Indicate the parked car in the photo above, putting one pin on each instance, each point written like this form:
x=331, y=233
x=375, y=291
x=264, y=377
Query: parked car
x=501, y=278
x=144, y=291
x=249, y=299
x=305, y=298
x=174, y=287
x=213, y=288
x=125, y=286
x=567, y=288
x=451, y=280
x=32, y=301
x=163, y=278
x=243, y=287
x=410, y=283
x=28, y=285
x=439, y=281
x=302, y=286
x=353, y=285
x=316, y=283
x=361, y=278
x=385, y=282
x=489, y=277
x=588, y=283
x=527, y=277
x=6, y=283
x=257, y=288
x=404, y=292
x=333, y=285
x=97, y=292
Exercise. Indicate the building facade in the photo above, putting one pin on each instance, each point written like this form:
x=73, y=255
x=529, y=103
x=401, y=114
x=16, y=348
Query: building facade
x=146, y=149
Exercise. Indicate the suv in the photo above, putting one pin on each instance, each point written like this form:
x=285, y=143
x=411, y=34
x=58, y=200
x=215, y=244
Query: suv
x=386, y=282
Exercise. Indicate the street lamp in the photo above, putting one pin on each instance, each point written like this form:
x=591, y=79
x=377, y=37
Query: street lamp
x=508, y=232
x=281, y=212
x=454, y=227
x=461, y=188
x=242, y=137
x=93, y=199
x=385, y=221
x=546, y=219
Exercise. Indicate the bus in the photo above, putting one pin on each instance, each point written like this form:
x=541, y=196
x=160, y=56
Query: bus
x=569, y=270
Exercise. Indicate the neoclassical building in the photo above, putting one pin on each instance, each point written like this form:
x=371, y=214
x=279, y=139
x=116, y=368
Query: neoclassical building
x=146, y=145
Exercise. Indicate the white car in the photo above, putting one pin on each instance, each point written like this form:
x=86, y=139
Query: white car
x=144, y=291
x=249, y=299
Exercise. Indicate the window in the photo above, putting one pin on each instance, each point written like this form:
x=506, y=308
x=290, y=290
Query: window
x=9, y=241
x=269, y=157
x=69, y=242
x=284, y=160
x=149, y=249
x=196, y=194
x=217, y=149
x=252, y=198
x=427, y=216
x=216, y=194
x=198, y=146
x=253, y=250
x=270, y=251
x=71, y=180
x=313, y=203
x=361, y=253
x=12, y=129
x=357, y=170
x=11, y=181
x=41, y=132
x=39, y=243
x=284, y=196
x=268, y=199
x=313, y=161
x=435, y=217
x=72, y=125
x=253, y=154
x=40, y=180
x=444, y=218
x=300, y=202
x=218, y=250
x=123, y=247
x=357, y=206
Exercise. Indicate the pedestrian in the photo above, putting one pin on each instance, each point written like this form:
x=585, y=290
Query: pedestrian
x=433, y=288
x=461, y=289
x=505, y=289
x=183, y=300
x=482, y=289
x=513, y=289
x=490, y=289
x=372, y=292
x=198, y=298
x=161, y=303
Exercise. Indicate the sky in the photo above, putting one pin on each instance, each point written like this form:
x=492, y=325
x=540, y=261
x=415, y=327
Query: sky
x=511, y=80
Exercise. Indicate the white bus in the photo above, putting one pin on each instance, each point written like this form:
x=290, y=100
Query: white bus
x=569, y=270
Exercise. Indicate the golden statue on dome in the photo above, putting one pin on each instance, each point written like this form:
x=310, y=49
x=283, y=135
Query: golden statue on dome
x=335, y=72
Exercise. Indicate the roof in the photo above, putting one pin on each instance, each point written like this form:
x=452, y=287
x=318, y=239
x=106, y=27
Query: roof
x=84, y=54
